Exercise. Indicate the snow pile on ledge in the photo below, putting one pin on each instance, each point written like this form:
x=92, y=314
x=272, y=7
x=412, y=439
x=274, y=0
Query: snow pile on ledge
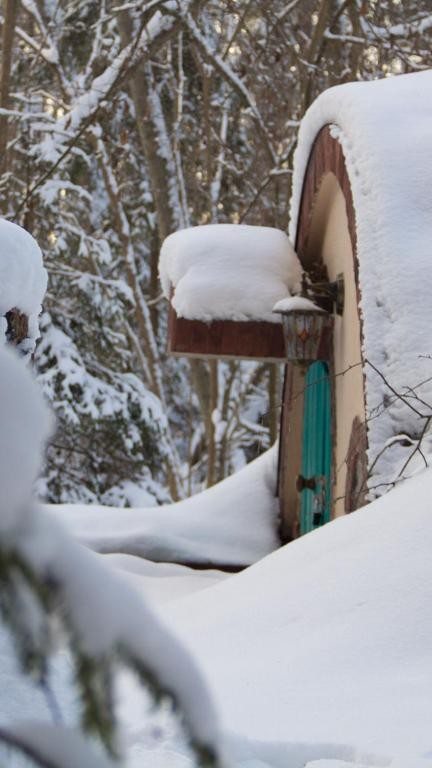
x=385, y=130
x=324, y=647
x=228, y=271
x=232, y=523
x=23, y=279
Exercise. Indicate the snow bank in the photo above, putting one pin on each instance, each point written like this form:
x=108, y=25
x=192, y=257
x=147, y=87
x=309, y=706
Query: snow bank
x=24, y=425
x=228, y=271
x=323, y=649
x=385, y=129
x=232, y=523
x=23, y=279
x=161, y=583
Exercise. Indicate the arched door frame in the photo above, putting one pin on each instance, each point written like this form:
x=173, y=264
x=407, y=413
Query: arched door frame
x=326, y=157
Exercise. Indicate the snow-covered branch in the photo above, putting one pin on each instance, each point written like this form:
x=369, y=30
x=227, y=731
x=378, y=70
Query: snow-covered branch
x=229, y=75
x=49, y=573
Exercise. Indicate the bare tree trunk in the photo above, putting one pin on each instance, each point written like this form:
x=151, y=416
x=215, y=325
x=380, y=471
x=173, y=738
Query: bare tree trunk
x=212, y=473
x=274, y=401
x=10, y=14
x=155, y=140
x=146, y=343
x=224, y=408
x=315, y=47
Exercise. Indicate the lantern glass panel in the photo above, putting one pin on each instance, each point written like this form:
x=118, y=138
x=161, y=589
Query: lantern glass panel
x=305, y=334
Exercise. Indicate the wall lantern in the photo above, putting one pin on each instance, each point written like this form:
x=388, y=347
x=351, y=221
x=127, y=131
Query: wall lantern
x=307, y=325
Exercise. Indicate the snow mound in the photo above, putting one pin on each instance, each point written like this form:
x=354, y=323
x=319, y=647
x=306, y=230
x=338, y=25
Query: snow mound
x=161, y=583
x=327, y=641
x=228, y=271
x=25, y=424
x=23, y=279
x=232, y=523
x=384, y=128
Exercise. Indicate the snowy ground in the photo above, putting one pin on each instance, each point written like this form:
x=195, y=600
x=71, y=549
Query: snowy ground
x=320, y=654
x=324, y=646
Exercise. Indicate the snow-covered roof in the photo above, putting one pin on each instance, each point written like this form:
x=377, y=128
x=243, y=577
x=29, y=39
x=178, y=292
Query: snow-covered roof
x=385, y=129
x=228, y=271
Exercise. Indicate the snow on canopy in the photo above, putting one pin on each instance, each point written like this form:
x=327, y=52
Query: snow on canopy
x=23, y=279
x=385, y=129
x=228, y=271
x=322, y=649
x=232, y=523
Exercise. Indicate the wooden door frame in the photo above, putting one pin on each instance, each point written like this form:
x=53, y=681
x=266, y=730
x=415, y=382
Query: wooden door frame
x=326, y=157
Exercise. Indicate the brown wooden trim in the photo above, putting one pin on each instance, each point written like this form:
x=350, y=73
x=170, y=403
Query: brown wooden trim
x=326, y=157
x=225, y=338
x=355, y=485
x=17, y=326
x=290, y=449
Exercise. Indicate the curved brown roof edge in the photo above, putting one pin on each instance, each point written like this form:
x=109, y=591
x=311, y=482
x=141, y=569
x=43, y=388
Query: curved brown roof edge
x=326, y=156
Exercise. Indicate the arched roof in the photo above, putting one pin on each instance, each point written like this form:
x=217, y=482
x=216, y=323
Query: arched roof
x=376, y=137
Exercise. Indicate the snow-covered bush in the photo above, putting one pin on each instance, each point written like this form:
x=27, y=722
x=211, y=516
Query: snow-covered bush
x=110, y=427
x=45, y=575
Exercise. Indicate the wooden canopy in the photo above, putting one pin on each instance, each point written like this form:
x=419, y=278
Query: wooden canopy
x=225, y=338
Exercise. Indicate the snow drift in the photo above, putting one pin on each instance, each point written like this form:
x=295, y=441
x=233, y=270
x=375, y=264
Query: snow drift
x=324, y=646
x=232, y=523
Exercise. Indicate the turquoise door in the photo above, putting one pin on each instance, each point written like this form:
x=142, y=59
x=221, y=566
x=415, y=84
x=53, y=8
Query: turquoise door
x=315, y=498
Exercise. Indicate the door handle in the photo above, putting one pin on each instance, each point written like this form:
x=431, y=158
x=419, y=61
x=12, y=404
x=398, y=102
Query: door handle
x=306, y=482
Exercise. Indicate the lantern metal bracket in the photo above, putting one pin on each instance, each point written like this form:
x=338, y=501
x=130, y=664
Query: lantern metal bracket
x=333, y=291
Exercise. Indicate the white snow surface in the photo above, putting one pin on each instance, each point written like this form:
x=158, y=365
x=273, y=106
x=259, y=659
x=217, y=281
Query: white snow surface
x=384, y=128
x=294, y=303
x=232, y=523
x=55, y=745
x=228, y=271
x=23, y=279
x=25, y=424
x=322, y=651
x=162, y=583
